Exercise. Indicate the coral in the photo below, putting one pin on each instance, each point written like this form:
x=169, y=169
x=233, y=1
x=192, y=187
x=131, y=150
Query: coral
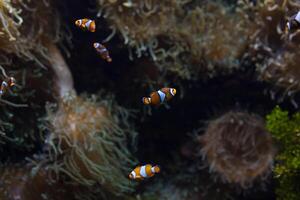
x=285, y=130
x=202, y=40
x=238, y=148
x=89, y=143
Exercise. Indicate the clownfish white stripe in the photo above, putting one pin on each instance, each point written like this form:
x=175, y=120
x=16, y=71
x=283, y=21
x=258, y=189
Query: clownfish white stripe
x=88, y=24
x=153, y=169
x=161, y=95
x=143, y=172
x=288, y=25
x=297, y=18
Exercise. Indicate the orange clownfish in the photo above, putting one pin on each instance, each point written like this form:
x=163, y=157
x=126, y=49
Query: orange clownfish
x=142, y=172
x=102, y=51
x=160, y=96
x=11, y=81
x=8, y=83
x=86, y=24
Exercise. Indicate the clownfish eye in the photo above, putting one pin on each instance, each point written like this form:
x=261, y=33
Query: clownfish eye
x=78, y=22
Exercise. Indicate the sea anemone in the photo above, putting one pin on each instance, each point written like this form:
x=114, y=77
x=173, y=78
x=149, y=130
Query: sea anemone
x=238, y=148
x=89, y=139
x=89, y=144
x=186, y=44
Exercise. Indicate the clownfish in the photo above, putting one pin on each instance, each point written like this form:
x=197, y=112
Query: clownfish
x=293, y=23
x=160, y=96
x=86, y=24
x=7, y=83
x=102, y=51
x=142, y=172
x=11, y=81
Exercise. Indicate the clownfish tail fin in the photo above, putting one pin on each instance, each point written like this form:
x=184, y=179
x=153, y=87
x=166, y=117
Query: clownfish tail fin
x=156, y=168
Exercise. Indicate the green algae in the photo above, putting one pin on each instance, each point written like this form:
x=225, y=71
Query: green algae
x=285, y=129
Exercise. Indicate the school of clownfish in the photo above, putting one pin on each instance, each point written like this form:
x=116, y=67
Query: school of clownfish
x=155, y=98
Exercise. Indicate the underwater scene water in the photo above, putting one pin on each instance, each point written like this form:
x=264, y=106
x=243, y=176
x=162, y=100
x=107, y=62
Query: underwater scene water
x=149, y=100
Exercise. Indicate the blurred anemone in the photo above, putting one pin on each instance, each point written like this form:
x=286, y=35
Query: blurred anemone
x=187, y=184
x=25, y=25
x=22, y=106
x=209, y=38
x=24, y=183
x=10, y=20
x=140, y=22
x=25, y=29
x=274, y=52
x=238, y=148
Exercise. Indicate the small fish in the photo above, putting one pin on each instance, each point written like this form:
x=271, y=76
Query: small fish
x=160, y=96
x=102, y=51
x=11, y=81
x=7, y=83
x=86, y=24
x=293, y=23
x=145, y=171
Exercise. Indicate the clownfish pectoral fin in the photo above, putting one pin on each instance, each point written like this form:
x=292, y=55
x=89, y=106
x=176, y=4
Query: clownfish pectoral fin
x=157, y=168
